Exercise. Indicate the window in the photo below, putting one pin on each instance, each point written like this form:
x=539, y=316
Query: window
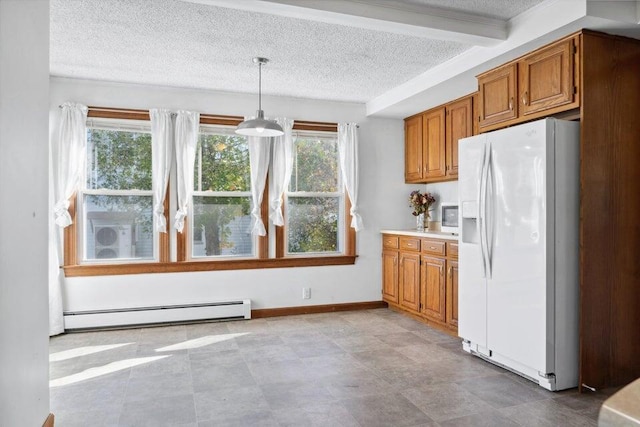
x=115, y=202
x=221, y=213
x=112, y=230
x=314, y=206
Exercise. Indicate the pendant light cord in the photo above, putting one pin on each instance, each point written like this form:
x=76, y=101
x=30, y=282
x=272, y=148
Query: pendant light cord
x=260, y=86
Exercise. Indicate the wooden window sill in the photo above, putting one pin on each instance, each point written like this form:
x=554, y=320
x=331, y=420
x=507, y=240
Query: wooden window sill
x=177, y=267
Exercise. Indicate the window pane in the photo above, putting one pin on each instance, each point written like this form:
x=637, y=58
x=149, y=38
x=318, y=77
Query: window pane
x=118, y=160
x=221, y=226
x=222, y=164
x=315, y=165
x=118, y=227
x=313, y=224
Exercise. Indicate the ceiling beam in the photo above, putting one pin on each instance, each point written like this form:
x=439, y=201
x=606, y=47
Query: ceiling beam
x=382, y=15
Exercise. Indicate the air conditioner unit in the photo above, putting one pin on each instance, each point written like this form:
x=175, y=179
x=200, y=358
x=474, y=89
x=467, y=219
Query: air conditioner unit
x=113, y=241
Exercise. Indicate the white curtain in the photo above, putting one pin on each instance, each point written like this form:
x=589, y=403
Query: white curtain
x=162, y=156
x=259, y=149
x=348, y=153
x=282, y=166
x=187, y=126
x=67, y=162
x=70, y=159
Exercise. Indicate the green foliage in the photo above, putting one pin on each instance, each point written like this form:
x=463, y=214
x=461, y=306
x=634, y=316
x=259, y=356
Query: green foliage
x=313, y=221
x=119, y=160
x=222, y=164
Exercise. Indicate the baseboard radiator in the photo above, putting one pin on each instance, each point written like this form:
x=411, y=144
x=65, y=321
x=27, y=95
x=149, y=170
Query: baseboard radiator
x=223, y=310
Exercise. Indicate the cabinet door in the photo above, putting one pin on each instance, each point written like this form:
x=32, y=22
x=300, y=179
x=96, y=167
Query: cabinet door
x=546, y=78
x=410, y=281
x=433, y=147
x=459, y=125
x=413, y=149
x=390, y=276
x=433, y=287
x=497, y=92
x=452, y=293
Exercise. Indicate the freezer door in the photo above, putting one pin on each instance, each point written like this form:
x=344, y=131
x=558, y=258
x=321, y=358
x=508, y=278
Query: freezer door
x=472, y=286
x=520, y=287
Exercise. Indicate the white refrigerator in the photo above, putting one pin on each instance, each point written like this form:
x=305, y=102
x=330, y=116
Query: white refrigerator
x=518, y=276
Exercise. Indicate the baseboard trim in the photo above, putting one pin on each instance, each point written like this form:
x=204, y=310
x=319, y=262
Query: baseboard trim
x=49, y=421
x=312, y=309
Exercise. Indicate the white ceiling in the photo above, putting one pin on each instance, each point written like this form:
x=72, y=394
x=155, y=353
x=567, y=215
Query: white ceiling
x=384, y=53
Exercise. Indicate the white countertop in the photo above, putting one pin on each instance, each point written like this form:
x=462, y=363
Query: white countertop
x=623, y=408
x=413, y=233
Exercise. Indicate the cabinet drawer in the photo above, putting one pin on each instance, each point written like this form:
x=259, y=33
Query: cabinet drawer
x=452, y=250
x=390, y=242
x=409, y=244
x=433, y=247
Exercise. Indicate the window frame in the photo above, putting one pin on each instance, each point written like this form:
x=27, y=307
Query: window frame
x=164, y=264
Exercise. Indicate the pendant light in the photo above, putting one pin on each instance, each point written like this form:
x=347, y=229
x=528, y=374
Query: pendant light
x=259, y=126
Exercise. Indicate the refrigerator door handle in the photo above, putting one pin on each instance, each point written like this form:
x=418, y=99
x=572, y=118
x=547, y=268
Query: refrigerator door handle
x=488, y=212
x=482, y=220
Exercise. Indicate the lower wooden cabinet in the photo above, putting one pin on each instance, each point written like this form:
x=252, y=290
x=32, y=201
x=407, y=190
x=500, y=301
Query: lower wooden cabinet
x=420, y=276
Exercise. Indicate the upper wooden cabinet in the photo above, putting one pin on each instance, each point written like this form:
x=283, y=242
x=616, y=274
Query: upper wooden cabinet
x=413, y=149
x=546, y=78
x=431, y=141
x=497, y=95
x=539, y=84
x=459, y=125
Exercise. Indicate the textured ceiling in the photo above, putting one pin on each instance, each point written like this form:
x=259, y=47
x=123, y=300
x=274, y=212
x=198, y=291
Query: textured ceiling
x=501, y=9
x=182, y=44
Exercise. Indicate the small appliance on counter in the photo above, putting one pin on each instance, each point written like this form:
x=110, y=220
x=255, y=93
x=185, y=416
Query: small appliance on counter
x=449, y=218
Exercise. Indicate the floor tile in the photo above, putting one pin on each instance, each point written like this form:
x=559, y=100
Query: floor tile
x=356, y=343
x=501, y=391
x=385, y=410
x=445, y=401
x=484, y=419
x=158, y=386
x=297, y=394
x=227, y=402
x=317, y=415
x=316, y=348
x=401, y=339
x=166, y=411
x=546, y=413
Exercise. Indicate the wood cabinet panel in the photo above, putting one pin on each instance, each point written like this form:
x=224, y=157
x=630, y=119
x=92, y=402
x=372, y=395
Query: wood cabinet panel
x=390, y=242
x=433, y=150
x=459, y=125
x=433, y=287
x=497, y=95
x=436, y=247
x=546, y=78
x=452, y=250
x=413, y=149
x=390, y=276
x=409, y=282
x=452, y=293
x=409, y=243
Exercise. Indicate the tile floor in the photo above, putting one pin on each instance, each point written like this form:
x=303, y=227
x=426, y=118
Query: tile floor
x=360, y=368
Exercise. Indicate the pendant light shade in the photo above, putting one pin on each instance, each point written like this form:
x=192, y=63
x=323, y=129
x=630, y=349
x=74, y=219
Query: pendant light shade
x=259, y=126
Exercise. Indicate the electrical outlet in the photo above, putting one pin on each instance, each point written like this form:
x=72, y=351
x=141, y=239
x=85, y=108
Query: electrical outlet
x=306, y=293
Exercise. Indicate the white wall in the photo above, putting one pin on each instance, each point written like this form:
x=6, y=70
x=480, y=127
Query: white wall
x=24, y=330
x=383, y=203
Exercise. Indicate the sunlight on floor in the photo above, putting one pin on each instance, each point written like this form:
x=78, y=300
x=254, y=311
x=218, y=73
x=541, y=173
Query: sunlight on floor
x=83, y=351
x=103, y=370
x=200, y=342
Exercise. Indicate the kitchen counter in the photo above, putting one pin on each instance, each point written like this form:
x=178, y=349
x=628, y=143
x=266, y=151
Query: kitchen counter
x=623, y=408
x=432, y=234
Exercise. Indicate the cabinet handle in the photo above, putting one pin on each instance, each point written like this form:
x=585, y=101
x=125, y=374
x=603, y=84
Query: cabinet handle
x=441, y=273
x=525, y=98
x=511, y=103
x=450, y=272
x=395, y=261
x=432, y=247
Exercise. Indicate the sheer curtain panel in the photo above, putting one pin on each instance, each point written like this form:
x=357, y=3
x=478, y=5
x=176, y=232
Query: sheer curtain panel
x=281, y=169
x=259, y=149
x=348, y=153
x=187, y=126
x=162, y=156
x=70, y=159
